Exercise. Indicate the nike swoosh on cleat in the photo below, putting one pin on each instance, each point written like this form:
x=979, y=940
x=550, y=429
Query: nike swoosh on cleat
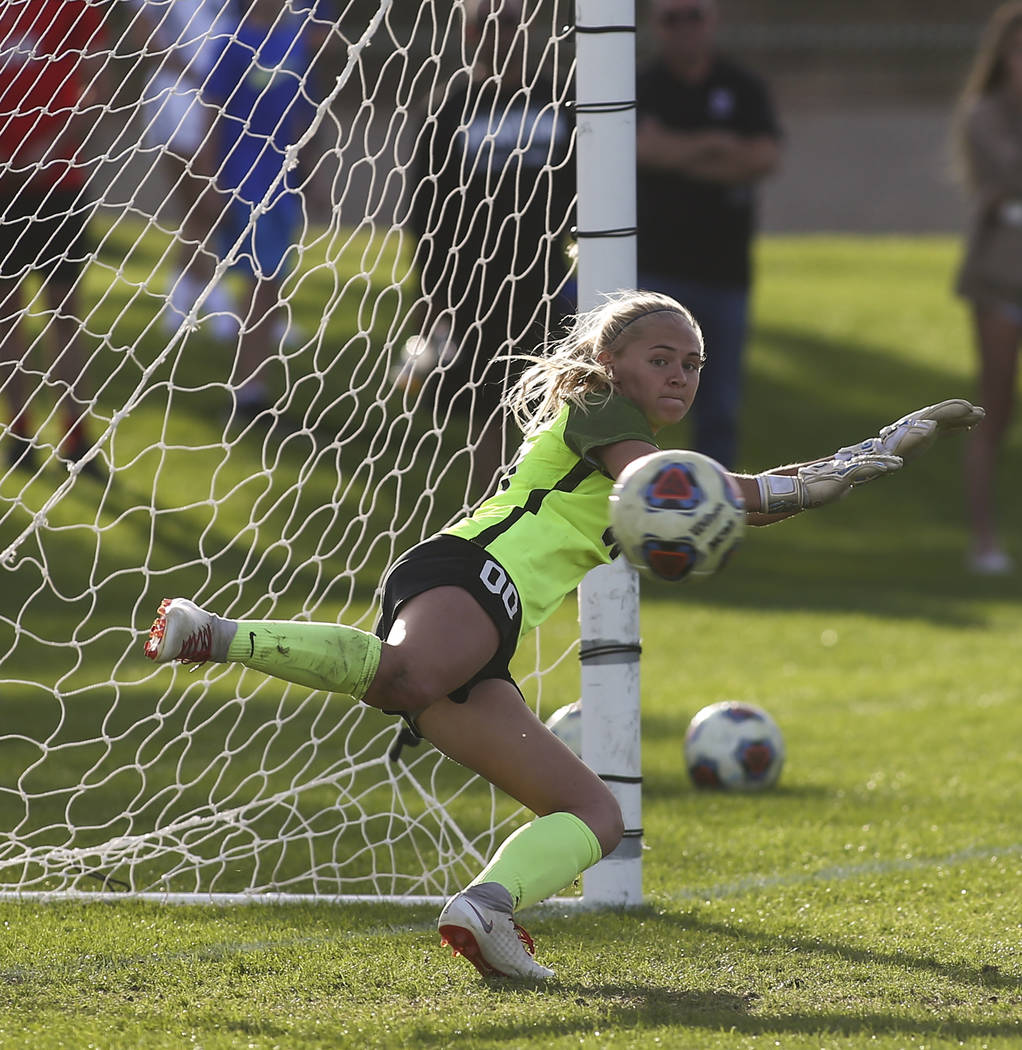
x=487, y=924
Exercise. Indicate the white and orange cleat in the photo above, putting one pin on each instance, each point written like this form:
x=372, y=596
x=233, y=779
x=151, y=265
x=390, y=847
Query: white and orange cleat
x=478, y=924
x=182, y=631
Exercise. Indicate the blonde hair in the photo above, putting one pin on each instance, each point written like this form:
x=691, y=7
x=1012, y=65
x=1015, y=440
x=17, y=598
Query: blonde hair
x=571, y=370
x=986, y=76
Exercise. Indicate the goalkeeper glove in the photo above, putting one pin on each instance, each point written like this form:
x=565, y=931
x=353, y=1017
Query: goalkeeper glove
x=914, y=433
x=819, y=483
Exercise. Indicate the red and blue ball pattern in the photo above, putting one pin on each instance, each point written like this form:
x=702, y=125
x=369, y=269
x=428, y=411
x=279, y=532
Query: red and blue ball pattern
x=734, y=746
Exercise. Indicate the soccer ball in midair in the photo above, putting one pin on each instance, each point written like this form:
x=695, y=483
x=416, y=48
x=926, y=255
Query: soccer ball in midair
x=566, y=724
x=676, y=515
x=734, y=746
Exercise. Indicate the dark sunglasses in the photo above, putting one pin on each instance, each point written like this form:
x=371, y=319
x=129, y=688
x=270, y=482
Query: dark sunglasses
x=682, y=16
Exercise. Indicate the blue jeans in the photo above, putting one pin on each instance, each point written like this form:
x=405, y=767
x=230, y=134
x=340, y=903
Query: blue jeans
x=723, y=315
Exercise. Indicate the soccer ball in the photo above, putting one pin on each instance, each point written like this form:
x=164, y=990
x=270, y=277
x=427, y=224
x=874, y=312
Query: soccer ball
x=566, y=724
x=734, y=746
x=676, y=515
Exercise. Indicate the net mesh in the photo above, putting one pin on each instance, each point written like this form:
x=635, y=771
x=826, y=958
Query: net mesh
x=263, y=271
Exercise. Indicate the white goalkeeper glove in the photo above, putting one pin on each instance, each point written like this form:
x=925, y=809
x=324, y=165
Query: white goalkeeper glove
x=819, y=483
x=914, y=433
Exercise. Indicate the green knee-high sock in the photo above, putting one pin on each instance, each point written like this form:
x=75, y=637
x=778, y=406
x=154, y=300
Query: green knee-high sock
x=542, y=857
x=319, y=655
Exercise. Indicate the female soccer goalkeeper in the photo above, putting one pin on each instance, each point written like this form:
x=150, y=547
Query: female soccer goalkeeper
x=588, y=407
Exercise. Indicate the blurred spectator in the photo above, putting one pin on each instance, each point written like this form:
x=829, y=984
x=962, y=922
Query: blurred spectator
x=707, y=133
x=181, y=40
x=491, y=177
x=261, y=87
x=327, y=46
x=51, y=63
x=988, y=145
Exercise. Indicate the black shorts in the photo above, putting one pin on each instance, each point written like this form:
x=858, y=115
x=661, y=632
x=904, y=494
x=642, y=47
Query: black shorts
x=450, y=561
x=45, y=230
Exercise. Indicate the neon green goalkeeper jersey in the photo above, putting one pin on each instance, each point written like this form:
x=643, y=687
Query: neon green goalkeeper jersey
x=549, y=523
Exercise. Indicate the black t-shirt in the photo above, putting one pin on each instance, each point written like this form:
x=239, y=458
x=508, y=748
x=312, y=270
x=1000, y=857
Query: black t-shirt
x=494, y=185
x=691, y=228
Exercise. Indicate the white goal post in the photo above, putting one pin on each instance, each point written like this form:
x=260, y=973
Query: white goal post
x=252, y=268
x=609, y=596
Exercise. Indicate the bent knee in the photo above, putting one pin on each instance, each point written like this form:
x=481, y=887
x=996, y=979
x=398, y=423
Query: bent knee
x=610, y=836
x=397, y=686
x=605, y=821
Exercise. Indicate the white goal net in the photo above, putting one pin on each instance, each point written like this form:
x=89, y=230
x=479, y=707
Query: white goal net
x=263, y=266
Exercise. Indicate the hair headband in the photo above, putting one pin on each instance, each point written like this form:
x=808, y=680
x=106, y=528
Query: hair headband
x=655, y=310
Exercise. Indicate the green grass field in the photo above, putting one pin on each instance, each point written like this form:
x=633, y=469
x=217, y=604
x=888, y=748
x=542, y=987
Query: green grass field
x=872, y=900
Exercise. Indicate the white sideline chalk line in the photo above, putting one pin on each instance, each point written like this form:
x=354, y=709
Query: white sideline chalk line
x=842, y=872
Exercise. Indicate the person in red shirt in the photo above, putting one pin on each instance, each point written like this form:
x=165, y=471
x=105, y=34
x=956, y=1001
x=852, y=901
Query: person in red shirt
x=50, y=71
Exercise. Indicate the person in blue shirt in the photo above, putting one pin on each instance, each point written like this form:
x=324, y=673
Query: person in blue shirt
x=179, y=41
x=261, y=87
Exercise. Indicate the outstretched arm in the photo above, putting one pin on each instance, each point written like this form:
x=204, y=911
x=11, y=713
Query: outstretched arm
x=787, y=490
x=783, y=491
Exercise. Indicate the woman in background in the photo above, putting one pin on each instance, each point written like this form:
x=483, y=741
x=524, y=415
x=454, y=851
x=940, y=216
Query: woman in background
x=987, y=141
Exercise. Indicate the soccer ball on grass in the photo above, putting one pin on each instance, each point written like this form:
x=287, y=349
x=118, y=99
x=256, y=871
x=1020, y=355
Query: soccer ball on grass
x=734, y=746
x=676, y=515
